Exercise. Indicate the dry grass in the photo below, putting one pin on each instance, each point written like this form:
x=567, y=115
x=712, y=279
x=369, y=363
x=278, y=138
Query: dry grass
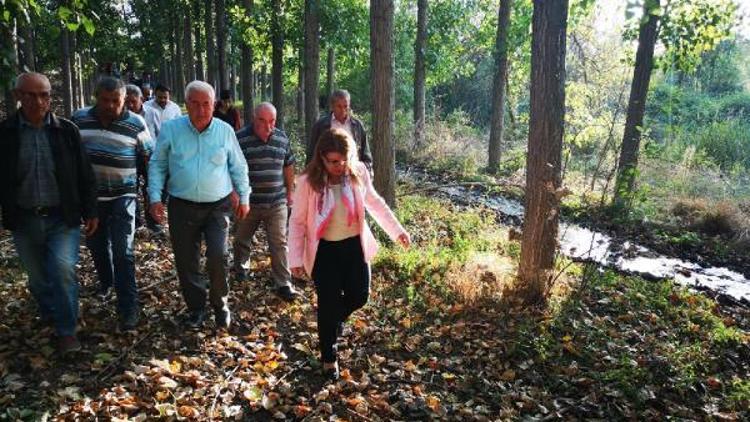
x=484, y=277
x=721, y=218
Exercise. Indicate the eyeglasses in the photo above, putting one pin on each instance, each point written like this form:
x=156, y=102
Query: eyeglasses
x=44, y=95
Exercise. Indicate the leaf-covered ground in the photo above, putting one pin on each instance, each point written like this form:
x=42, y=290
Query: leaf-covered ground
x=440, y=339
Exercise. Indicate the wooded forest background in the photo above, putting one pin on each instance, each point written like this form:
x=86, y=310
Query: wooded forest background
x=655, y=105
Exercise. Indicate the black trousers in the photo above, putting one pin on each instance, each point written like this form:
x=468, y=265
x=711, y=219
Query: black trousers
x=342, y=282
x=189, y=224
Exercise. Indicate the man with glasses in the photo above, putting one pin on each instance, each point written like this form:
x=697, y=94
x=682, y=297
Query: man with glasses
x=271, y=162
x=47, y=188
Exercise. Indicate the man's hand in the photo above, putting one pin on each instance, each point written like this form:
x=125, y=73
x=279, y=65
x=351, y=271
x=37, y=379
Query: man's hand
x=404, y=240
x=89, y=226
x=157, y=212
x=298, y=272
x=234, y=199
x=242, y=211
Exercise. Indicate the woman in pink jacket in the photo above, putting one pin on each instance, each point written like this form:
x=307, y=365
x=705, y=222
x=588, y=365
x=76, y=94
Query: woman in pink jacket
x=329, y=238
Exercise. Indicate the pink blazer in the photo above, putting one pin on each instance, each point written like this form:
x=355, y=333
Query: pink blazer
x=303, y=242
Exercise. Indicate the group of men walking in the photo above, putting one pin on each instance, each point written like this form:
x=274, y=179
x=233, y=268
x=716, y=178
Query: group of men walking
x=58, y=174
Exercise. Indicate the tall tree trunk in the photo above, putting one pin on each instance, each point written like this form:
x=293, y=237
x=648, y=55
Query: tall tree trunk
x=67, y=84
x=221, y=44
x=498, y=88
x=312, y=64
x=543, y=161
x=330, y=73
x=301, y=97
x=75, y=72
x=199, y=72
x=383, y=97
x=419, y=74
x=8, y=32
x=247, y=70
x=208, y=19
x=263, y=83
x=277, y=60
x=631, y=140
x=25, y=39
x=187, y=37
x=179, y=61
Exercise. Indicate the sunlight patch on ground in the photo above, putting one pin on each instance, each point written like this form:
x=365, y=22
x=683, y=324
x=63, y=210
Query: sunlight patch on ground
x=484, y=276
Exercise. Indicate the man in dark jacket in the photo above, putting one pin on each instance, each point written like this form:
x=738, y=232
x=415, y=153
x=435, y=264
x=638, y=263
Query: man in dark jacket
x=341, y=117
x=47, y=188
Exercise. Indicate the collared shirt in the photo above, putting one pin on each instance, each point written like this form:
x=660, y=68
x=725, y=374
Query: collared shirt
x=36, y=167
x=346, y=125
x=202, y=166
x=171, y=111
x=153, y=121
x=113, y=150
x=266, y=161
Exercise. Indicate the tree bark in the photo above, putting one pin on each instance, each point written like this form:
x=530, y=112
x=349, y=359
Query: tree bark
x=330, y=73
x=75, y=81
x=247, y=70
x=187, y=38
x=383, y=97
x=179, y=61
x=419, y=74
x=263, y=83
x=277, y=61
x=631, y=140
x=208, y=19
x=200, y=73
x=25, y=39
x=498, y=89
x=301, y=96
x=312, y=64
x=8, y=32
x=221, y=44
x=67, y=84
x=543, y=160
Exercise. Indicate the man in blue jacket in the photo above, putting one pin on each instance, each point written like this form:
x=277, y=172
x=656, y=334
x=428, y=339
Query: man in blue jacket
x=47, y=188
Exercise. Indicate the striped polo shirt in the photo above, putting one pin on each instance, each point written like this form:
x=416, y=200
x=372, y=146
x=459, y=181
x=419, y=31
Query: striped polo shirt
x=113, y=150
x=266, y=162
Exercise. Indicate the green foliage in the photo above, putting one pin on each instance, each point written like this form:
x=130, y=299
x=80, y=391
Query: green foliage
x=446, y=239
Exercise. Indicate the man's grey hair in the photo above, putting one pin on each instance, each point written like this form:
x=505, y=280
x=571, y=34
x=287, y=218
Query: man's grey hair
x=110, y=84
x=264, y=105
x=339, y=94
x=23, y=77
x=131, y=89
x=201, y=87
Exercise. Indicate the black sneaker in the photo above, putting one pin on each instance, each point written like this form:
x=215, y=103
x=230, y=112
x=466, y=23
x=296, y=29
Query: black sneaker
x=194, y=320
x=287, y=293
x=223, y=318
x=129, y=321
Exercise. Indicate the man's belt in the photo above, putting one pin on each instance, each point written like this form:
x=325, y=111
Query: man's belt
x=41, y=211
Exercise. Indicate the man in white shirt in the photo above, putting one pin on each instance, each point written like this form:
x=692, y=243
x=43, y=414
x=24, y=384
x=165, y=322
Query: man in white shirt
x=166, y=108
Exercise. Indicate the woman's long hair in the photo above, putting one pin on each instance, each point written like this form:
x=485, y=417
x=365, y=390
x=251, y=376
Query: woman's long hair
x=332, y=140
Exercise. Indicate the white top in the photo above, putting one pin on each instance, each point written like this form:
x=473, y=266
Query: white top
x=346, y=126
x=171, y=111
x=337, y=228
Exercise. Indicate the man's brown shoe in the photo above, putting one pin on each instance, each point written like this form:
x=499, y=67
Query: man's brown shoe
x=68, y=344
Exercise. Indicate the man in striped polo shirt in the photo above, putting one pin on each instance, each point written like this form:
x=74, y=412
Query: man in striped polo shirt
x=114, y=138
x=271, y=169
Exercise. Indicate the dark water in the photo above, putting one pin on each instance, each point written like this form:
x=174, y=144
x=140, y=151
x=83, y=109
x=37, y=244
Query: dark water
x=582, y=244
